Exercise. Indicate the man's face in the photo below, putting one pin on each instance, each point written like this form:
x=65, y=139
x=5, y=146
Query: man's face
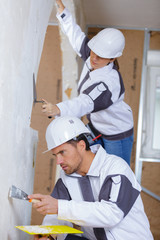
x=68, y=157
x=98, y=62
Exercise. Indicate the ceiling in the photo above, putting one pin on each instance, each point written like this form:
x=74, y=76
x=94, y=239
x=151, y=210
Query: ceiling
x=123, y=13
x=126, y=13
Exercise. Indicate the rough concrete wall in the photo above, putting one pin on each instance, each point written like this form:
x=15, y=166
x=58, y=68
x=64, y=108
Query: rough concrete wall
x=23, y=26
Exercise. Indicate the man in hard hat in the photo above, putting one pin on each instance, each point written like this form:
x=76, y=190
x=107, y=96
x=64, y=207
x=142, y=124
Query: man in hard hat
x=101, y=89
x=96, y=190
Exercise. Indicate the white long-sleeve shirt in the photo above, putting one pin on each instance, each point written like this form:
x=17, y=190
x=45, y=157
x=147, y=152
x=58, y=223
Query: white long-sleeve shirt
x=101, y=91
x=118, y=207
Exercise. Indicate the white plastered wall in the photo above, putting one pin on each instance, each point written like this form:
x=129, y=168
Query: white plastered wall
x=23, y=26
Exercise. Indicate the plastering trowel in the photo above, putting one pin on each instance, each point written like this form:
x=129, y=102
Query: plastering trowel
x=45, y=230
x=15, y=192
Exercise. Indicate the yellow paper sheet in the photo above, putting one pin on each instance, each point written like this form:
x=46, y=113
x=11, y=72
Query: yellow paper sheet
x=43, y=230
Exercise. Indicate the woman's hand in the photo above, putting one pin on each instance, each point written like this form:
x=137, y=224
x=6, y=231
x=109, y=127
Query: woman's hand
x=51, y=110
x=60, y=6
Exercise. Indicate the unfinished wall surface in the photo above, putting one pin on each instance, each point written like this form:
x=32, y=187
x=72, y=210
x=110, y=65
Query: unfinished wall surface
x=23, y=26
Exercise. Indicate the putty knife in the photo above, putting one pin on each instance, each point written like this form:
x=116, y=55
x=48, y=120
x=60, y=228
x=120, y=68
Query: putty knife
x=17, y=193
x=35, y=92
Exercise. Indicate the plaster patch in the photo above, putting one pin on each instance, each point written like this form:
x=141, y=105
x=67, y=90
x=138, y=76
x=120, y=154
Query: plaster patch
x=68, y=92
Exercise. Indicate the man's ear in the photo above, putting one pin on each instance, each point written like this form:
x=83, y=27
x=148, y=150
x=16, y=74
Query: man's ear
x=112, y=60
x=81, y=145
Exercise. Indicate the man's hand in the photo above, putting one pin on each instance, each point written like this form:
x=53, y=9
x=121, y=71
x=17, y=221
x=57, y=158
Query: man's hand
x=47, y=204
x=37, y=237
x=51, y=110
x=50, y=237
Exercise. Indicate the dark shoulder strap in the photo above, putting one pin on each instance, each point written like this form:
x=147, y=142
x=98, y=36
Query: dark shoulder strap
x=60, y=191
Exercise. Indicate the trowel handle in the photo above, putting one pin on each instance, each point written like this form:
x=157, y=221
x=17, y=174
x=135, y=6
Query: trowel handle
x=34, y=200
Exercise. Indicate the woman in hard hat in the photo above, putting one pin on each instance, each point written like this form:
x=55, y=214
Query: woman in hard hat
x=101, y=89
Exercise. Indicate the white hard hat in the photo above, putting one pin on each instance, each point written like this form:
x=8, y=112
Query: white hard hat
x=108, y=43
x=63, y=129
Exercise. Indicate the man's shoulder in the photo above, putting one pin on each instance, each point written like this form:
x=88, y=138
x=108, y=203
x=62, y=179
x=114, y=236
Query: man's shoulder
x=111, y=161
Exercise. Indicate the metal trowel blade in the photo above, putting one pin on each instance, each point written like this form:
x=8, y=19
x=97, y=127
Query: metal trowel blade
x=15, y=192
x=35, y=92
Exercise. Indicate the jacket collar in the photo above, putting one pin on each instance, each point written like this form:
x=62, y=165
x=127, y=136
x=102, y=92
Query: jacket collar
x=97, y=162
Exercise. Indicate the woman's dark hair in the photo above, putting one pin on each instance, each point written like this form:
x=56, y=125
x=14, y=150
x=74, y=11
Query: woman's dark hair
x=79, y=138
x=116, y=64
